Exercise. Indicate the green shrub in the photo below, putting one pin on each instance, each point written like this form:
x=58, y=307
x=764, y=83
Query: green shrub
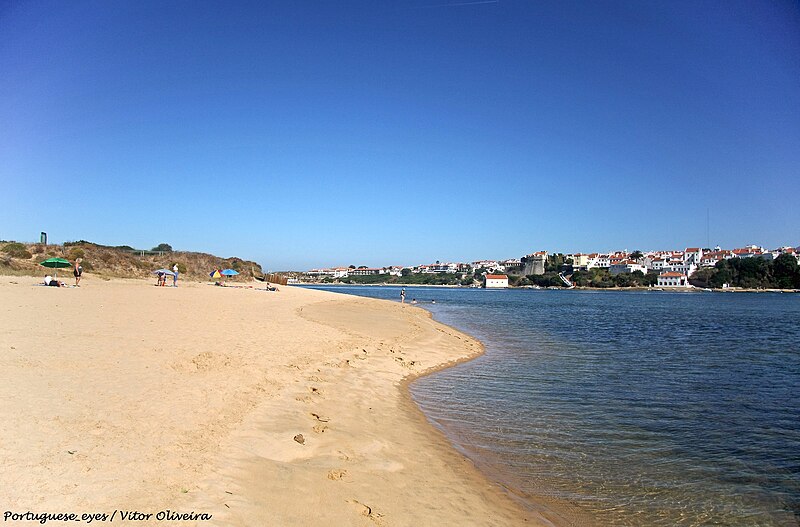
x=75, y=253
x=17, y=250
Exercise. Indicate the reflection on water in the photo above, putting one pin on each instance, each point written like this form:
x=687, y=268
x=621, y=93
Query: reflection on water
x=637, y=408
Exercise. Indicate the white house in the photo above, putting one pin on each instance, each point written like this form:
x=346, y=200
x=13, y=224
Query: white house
x=626, y=266
x=437, y=268
x=681, y=267
x=673, y=279
x=485, y=264
x=396, y=270
x=366, y=271
x=320, y=273
x=711, y=259
x=603, y=261
x=496, y=281
x=693, y=255
x=340, y=272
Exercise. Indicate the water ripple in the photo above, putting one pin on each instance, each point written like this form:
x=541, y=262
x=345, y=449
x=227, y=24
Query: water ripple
x=637, y=408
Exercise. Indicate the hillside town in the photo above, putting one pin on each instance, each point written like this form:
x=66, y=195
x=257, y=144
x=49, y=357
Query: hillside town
x=664, y=269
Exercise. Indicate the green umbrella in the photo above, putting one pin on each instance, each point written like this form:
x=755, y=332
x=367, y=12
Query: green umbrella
x=56, y=263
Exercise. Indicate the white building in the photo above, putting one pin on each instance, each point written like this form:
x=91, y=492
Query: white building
x=336, y=272
x=396, y=270
x=710, y=259
x=319, y=273
x=437, y=268
x=512, y=265
x=603, y=261
x=626, y=266
x=693, y=255
x=681, y=267
x=592, y=260
x=340, y=272
x=672, y=279
x=496, y=281
x=366, y=271
x=579, y=260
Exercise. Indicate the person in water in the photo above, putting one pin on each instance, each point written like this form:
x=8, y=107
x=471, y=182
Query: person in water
x=403, y=296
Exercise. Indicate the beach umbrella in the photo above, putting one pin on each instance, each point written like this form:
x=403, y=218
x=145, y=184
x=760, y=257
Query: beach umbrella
x=229, y=272
x=215, y=274
x=164, y=271
x=56, y=263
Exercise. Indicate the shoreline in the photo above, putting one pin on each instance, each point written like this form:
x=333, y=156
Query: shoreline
x=556, y=513
x=132, y=398
x=576, y=288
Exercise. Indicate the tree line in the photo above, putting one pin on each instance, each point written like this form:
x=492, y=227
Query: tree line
x=753, y=273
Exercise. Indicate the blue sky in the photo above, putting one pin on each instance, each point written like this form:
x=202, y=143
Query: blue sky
x=303, y=134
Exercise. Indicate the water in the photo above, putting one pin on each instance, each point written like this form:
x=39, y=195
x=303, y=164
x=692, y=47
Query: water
x=634, y=408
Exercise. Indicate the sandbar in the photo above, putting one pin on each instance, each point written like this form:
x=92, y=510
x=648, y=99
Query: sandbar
x=255, y=407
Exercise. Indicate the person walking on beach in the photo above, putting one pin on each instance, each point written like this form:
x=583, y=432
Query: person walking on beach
x=403, y=296
x=175, y=276
x=77, y=271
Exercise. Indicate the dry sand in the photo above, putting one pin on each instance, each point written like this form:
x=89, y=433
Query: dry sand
x=119, y=395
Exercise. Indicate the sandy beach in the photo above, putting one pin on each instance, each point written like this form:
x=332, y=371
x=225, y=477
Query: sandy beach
x=254, y=407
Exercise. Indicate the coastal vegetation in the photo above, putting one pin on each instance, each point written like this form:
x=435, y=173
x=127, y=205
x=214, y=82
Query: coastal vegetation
x=16, y=250
x=119, y=261
x=602, y=278
x=754, y=273
x=598, y=278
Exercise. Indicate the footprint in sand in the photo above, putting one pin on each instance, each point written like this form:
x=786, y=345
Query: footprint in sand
x=336, y=474
x=303, y=398
x=315, y=390
x=367, y=511
x=406, y=364
x=341, y=364
x=314, y=378
x=320, y=429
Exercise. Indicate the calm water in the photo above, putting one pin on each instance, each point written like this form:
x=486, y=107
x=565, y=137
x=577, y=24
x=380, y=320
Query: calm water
x=636, y=408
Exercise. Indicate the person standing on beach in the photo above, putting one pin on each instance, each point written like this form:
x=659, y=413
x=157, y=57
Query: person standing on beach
x=77, y=271
x=403, y=296
x=175, y=276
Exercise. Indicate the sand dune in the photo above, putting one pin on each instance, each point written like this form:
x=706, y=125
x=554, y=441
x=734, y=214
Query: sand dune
x=258, y=408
